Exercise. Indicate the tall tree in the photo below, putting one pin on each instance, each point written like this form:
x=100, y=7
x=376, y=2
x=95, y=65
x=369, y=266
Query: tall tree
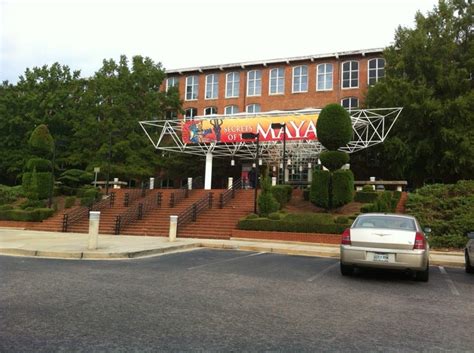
x=429, y=72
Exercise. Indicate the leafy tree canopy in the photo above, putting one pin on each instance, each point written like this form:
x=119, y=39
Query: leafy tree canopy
x=429, y=73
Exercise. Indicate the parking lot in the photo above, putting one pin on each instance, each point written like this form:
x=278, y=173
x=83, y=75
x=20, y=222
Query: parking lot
x=216, y=300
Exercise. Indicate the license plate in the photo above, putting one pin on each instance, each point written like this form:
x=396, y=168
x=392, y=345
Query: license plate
x=381, y=257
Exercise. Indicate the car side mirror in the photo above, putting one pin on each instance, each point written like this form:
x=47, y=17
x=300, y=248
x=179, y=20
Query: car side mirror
x=427, y=230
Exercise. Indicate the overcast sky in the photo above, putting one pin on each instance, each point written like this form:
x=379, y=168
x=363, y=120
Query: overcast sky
x=187, y=33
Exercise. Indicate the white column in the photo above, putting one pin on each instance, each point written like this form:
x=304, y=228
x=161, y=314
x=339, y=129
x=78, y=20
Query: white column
x=230, y=181
x=287, y=174
x=152, y=183
x=116, y=185
x=190, y=183
x=310, y=175
x=399, y=188
x=94, y=219
x=208, y=174
x=274, y=181
x=173, y=228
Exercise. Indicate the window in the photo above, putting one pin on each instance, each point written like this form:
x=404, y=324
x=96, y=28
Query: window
x=192, y=87
x=212, y=86
x=171, y=115
x=376, y=70
x=350, y=103
x=324, y=77
x=254, y=83
x=277, y=81
x=171, y=82
x=210, y=111
x=231, y=109
x=300, y=79
x=190, y=113
x=350, y=74
x=232, y=85
x=253, y=108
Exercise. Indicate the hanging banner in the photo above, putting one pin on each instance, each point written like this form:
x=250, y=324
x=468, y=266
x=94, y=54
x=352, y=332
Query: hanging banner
x=297, y=127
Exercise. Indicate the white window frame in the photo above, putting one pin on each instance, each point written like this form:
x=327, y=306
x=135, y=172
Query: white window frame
x=253, y=105
x=277, y=78
x=300, y=76
x=235, y=81
x=256, y=83
x=190, y=117
x=376, y=69
x=212, y=86
x=232, y=108
x=350, y=100
x=194, y=88
x=211, y=107
x=175, y=83
x=351, y=70
x=325, y=75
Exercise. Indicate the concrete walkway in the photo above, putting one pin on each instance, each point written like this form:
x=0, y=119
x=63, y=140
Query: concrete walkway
x=18, y=242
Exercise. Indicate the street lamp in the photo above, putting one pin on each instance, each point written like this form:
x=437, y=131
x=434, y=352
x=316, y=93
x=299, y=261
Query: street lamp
x=276, y=126
x=248, y=136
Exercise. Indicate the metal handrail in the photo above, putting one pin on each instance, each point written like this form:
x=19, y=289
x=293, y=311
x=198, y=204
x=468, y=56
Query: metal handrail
x=83, y=211
x=133, y=195
x=190, y=214
x=177, y=196
x=137, y=212
x=229, y=194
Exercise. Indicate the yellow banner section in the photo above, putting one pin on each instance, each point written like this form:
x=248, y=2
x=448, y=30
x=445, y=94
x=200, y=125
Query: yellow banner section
x=297, y=127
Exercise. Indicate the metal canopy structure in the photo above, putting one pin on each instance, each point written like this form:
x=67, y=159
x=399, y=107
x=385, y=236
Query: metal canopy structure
x=370, y=127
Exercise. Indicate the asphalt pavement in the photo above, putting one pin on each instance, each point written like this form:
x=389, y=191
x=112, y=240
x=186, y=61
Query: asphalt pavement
x=226, y=300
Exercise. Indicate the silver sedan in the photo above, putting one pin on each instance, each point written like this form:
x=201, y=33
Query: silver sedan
x=389, y=241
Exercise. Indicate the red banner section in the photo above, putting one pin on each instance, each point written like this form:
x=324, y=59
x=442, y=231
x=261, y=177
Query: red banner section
x=297, y=127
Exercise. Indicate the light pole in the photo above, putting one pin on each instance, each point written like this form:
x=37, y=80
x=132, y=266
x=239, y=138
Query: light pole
x=251, y=135
x=275, y=126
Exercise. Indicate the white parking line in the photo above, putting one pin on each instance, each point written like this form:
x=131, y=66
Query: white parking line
x=322, y=273
x=449, y=281
x=228, y=260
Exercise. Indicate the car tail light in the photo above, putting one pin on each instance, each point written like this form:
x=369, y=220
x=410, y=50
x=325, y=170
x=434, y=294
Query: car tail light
x=346, y=237
x=420, y=241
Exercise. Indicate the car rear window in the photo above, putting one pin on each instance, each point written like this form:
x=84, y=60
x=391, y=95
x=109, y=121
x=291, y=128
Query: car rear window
x=387, y=222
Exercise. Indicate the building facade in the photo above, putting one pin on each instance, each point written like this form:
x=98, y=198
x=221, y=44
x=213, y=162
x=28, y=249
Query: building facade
x=277, y=84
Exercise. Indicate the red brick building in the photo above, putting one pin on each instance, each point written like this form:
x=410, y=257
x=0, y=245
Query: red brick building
x=278, y=84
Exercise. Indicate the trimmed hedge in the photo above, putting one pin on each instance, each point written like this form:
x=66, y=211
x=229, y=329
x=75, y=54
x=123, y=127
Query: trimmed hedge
x=69, y=202
x=342, y=187
x=366, y=197
x=334, y=127
x=266, y=201
x=319, y=192
x=385, y=202
x=37, y=184
x=35, y=215
x=40, y=164
x=282, y=193
x=284, y=225
x=333, y=160
x=41, y=141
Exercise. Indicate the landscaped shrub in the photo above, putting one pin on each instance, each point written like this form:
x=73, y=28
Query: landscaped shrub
x=341, y=220
x=368, y=188
x=334, y=127
x=37, y=185
x=9, y=194
x=252, y=216
x=447, y=241
x=32, y=204
x=41, y=141
x=319, y=192
x=266, y=202
x=274, y=216
x=282, y=193
x=35, y=215
x=40, y=164
x=342, y=187
x=74, y=178
x=365, y=197
x=69, y=202
x=333, y=160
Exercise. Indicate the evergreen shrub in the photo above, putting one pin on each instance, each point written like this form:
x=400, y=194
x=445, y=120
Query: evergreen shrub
x=319, y=192
x=333, y=160
x=334, y=127
x=342, y=187
x=282, y=193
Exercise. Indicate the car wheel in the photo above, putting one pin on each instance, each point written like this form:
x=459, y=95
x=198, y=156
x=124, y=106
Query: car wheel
x=469, y=267
x=347, y=270
x=423, y=276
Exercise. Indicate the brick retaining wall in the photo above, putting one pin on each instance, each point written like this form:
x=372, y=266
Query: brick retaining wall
x=288, y=236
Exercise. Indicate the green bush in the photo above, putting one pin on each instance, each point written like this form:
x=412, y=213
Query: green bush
x=74, y=178
x=252, y=216
x=89, y=192
x=368, y=188
x=6, y=207
x=87, y=201
x=282, y=193
x=266, y=202
x=274, y=215
x=32, y=204
x=341, y=220
x=40, y=164
x=69, y=202
x=41, y=141
x=334, y=127
x=9, y=194
x=37, y=185
x=368, y=208
x=35, y=215
x=319, y=192
x=342, y=187
x=365, y=197
x=333, y=160
x=447, y=241
x=289, y=225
